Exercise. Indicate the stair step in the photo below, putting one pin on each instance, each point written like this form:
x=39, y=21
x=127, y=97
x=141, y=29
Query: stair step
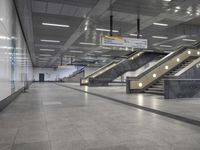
x=154, y=92
x=158, y=86
x=156, y=89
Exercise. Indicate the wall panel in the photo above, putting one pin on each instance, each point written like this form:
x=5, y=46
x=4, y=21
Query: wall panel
x=15, y=64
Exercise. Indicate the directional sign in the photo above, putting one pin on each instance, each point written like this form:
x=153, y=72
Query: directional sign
x=124, y=42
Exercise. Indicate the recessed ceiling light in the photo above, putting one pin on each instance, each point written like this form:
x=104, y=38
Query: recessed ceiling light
x=178, y=7
x=167, y=0
x=84, y=43
x=160, y=24
x=165, y=46
x=159, y=37
x=74, y=51
x=45, y=55
x=189, y=40
x=133, y=34
x=48, y=50
x=106, y=30
x=55, y=25
x=54, y=41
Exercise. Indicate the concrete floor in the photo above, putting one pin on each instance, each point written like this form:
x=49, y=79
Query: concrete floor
x=188, y=107
x=51, y=117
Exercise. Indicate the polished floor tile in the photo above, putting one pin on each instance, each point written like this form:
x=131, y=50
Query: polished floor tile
x=58, y=118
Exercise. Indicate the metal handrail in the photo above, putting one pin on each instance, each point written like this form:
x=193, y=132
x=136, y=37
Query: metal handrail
x=114, y=61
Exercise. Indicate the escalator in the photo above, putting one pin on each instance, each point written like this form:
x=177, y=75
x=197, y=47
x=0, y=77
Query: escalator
x=110, y=72
x=152, y=80
x=75, y=76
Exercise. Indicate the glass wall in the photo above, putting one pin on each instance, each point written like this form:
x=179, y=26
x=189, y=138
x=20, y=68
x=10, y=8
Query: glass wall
x=15, y=64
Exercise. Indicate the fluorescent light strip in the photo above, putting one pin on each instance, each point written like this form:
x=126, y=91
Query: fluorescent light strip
x=160, y=24
x=189, y=40
x=167, y=46
x=55, y=25
x=4, y=38
x=167, y=0
x=133, y=34
x=54, y=41
x=159, y=37
x=83, y=43
x=48, y=50
x=105, y=55
x=106, y=30
x=73, y=51
x=98, y=51
x=45, y=55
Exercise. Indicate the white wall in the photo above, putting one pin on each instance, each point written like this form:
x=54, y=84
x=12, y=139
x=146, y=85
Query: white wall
x=15, y=63
x=52, y=74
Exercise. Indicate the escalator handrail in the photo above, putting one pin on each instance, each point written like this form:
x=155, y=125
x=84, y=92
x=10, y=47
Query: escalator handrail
x=114, y=61
x=165, y=59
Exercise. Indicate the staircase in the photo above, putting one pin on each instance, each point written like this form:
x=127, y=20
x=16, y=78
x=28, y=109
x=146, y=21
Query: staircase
x=158, y=87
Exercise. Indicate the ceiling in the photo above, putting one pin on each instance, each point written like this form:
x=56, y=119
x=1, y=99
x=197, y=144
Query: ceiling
x=84, y=16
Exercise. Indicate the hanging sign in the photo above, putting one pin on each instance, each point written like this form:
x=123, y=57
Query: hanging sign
x=124, y=42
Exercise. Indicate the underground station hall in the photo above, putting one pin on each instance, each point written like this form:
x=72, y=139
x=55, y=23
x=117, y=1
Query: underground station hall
x=99, y=74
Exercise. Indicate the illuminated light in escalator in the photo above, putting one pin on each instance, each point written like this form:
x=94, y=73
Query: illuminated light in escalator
x=154, y=75
x=86, y=81
x=198, y=53
x=189, y=52
x=166, y=67
x=178, y=59
x=140, y=84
